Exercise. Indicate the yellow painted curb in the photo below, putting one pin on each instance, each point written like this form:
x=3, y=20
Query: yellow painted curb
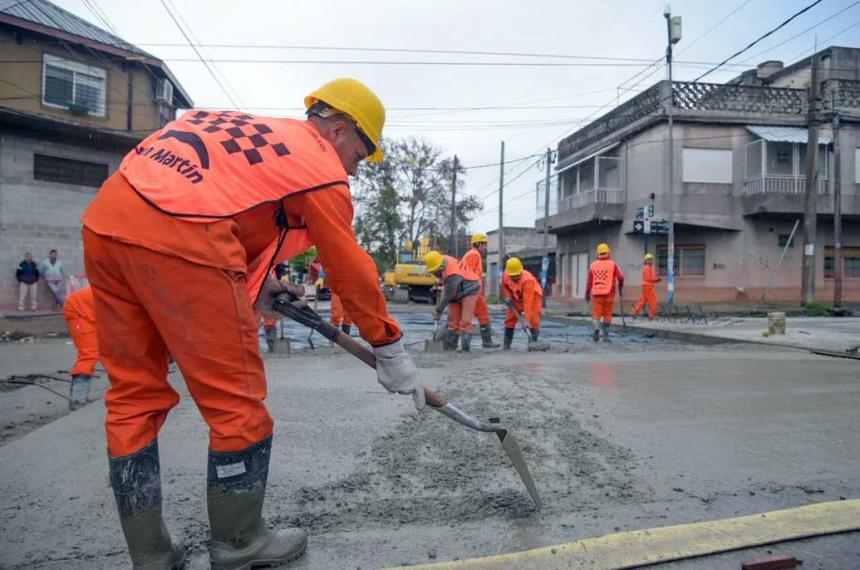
x=642, y=547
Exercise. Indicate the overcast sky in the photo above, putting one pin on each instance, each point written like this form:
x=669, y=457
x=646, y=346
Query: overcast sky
x=633, y=31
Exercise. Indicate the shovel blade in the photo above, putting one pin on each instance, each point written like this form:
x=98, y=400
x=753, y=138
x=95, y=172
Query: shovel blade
x=516, y=457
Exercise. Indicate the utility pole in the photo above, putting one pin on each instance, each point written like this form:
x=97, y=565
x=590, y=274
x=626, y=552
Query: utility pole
x=544, y=264
x=454, y=211
x=501, y=214
x=837, y=208
x=673, y=30
x=810, y=211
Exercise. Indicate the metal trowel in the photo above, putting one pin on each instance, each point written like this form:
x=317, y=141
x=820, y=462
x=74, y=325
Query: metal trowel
x=301, y=313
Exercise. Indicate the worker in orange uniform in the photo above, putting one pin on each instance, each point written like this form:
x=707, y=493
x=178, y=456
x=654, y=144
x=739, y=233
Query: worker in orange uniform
x=460, y=288
x=648, y=282
x=179, y=246
x=523, y=297
x=80, y=314
x=339, y=315
x=473, y=260
x=600, y=290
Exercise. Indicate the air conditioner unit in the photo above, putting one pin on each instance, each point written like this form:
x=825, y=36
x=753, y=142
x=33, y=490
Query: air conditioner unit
x=164, y=91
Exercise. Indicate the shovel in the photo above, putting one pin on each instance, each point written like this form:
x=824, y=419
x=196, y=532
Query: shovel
x=304, y=315
x=531, y=345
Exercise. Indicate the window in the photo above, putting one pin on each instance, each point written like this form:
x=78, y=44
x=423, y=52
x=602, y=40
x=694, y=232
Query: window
x=850, y=262
x=66, y=171
x=74, y=86
x=689, y=260
x=707, y=165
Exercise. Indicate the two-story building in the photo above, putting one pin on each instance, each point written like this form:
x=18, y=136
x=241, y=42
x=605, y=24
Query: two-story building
x=739, y=183
x=74, y=99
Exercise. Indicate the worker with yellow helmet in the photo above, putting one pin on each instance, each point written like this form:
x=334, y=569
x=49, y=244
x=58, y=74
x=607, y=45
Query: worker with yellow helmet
x=474, y=261
x=603, y=274
x=200, y=211
x=648, y=281
x=460, y=288
x=523, y=297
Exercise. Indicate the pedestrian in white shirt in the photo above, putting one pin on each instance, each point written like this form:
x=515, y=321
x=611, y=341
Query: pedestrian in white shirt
x=54, y=275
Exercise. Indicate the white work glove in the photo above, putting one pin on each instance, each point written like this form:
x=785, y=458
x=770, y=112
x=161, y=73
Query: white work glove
x=396, y=371
x=272, y=288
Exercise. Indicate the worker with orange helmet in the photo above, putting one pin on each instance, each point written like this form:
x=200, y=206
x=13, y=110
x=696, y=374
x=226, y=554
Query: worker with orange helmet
x=473, y=260
x=186, y=233
x=460, y=289
x=80, y=314
x=603, y=274
x=523, y=297
x=648, y=281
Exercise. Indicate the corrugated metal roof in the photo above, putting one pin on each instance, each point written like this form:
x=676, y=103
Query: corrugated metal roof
x=785, y=134
x=47, y=14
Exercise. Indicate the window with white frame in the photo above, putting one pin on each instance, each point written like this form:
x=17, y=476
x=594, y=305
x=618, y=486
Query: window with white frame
x=75, y=86
x=707, y=165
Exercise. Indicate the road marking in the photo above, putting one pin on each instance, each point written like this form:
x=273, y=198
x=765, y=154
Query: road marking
x=642, y=547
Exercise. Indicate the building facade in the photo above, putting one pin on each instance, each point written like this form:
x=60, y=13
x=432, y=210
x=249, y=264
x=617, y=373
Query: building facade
x=74, y=99
x=525, y=243
x=738, y=167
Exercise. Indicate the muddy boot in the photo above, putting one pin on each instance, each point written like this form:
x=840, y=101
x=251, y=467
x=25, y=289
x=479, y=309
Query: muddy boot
x=606, y=332
x=271, y=336
x=595, y=332
x=236, y=488
x=535, y=334
x=487, y=337
x=452, y=339
x=136, y=482
x=79, y=391
x=346, y=329
x=509, y=338
x=466, y=342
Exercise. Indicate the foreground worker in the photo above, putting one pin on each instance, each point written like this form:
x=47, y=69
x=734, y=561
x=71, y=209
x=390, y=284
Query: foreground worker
x=523, y=297
x=600, y=290
x=648, y=297
x=80, y=314
x=339, y=315
x=179, y=245
x=473, y=260
x=460, y=288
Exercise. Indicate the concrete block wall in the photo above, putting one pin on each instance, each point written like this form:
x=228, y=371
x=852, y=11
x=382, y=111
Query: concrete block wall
x=38, y=216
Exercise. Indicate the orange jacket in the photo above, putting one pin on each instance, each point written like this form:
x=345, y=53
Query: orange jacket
x=648, y=278
x=602, y=275
x=472, y=261
x=454, y=267
x=247, y=241
x=80, y=305
x=524, y=292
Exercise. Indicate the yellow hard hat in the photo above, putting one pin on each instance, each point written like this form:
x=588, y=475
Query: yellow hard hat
x=433, y=260
x=648, y=256
x=514, y=266
x=603, y=249
x=354, y=98
x=479, y=238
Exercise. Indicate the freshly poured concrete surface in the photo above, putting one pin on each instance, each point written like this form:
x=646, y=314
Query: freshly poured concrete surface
x=631, y=435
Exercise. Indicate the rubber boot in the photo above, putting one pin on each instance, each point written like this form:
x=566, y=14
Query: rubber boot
x=346, y=329
x=452, y=339
x=79, y=391
x=136, y=482
x=509, y=338
x=487, y=337
x=271, y=336
x=535, y=334
x=466, y=342
x=606, y=332
x=236, y=488
x=595, y=332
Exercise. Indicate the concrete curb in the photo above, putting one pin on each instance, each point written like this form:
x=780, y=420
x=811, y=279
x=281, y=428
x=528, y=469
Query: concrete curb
x=637, y=548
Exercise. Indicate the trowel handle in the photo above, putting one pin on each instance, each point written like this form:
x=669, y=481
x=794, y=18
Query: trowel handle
x=366, y=355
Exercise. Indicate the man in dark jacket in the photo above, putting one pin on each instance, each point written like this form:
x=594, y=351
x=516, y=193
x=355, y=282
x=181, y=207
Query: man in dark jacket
x=28, y=276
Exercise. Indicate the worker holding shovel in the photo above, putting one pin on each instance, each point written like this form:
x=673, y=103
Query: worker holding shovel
x=460, y=289
x=474, y=261
x=648, y=297
x=523, y=296
x=603, y=274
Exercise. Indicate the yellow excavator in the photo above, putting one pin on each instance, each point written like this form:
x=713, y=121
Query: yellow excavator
x=410, y=281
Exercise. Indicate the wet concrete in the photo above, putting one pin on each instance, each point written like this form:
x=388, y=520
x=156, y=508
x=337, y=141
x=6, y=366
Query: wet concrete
x=635, y=434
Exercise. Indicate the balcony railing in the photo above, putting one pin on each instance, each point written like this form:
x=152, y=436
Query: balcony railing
x=773, y=184
x=598, y=196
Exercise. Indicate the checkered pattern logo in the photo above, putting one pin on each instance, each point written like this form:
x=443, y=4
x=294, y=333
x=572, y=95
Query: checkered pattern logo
x=601, y=275
x=244, y=134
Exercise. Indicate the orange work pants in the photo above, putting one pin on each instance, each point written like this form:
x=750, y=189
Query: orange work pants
x=460, y=314
x=338, y=312
x=269, y=324
x=511, y=317
x=601, y=307
x=86, y=343
x=150, y=305
x=648, y=298
x=482, y=310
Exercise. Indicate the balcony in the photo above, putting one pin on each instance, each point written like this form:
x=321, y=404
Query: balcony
x=773, y=184
x=598, y=196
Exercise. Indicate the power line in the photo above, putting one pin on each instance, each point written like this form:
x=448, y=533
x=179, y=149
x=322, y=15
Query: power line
x=754, y=42
x=711, y=29
x=808, y=50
